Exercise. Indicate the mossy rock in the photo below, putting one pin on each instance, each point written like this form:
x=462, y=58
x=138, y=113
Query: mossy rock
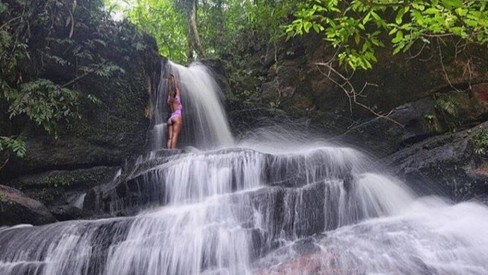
x=17, y=208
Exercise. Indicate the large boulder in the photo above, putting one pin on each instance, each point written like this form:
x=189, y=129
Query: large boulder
x=406, y=125
x=445, y=111
x=63, y=191
x=17, y=208
x=450, y=164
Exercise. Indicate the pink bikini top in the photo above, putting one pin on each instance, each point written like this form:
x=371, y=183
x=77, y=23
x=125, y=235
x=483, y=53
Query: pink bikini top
x=178, y=101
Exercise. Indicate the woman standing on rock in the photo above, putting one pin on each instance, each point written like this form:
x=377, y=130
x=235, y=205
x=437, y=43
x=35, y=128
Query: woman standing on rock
x=175, y=120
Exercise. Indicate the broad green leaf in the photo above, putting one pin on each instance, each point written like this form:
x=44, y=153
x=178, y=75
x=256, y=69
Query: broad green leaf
x=453, y=3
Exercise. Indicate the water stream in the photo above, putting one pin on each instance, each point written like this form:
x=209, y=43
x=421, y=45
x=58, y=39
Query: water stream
x=272, y=203
x=205, y=124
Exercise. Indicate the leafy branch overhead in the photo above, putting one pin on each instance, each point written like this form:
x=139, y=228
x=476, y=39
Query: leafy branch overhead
x=9, y=145
x=358, y=27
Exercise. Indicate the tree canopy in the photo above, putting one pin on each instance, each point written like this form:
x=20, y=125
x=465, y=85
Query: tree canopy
x=358, y=27
x=219, y=27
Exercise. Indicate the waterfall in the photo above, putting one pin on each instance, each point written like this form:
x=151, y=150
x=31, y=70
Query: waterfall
x=204, y=121
x=272, y=203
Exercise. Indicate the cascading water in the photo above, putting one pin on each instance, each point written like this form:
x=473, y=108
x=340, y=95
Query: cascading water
x=204, y=123
x=261, y=206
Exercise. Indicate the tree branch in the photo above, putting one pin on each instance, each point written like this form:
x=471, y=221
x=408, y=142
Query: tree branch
x=10, y=21
x=71, y=82
x=352, y=94
x=5, y=162
x=441, y=60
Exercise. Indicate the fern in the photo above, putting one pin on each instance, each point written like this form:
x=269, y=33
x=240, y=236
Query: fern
x=13, y=144
x=45, y=103
x=447, y=105
x=480, y=142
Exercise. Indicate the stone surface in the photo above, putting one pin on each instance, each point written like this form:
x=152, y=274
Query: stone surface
x=382, y=137
x=445, y=164
x=413, y=122
x=17, y=208
x=295, y=82
x=57, y=168
x=133, y=188
x=61, y=190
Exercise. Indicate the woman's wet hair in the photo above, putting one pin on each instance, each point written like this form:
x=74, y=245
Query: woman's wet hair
x=171, y=85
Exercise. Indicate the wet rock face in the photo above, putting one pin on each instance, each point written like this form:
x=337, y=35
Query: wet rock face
x=108, y=132
x=106, y=136
x=383, y=137
x=296, y=196
x=295, y=80
x=416, y=121
x=16, y=208
x=62, y=191
x=144, y=183
x=139, y=184
x=481, y=91
x=445, y=164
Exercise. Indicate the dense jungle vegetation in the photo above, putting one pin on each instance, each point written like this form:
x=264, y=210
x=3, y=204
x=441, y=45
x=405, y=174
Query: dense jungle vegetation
x=47, y=49
x=187, y=30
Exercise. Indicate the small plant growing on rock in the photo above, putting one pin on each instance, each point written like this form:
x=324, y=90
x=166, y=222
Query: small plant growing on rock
x=432, y=122
x=3, y=197
x=11, y=146
x=480, y=142
x=447, y=105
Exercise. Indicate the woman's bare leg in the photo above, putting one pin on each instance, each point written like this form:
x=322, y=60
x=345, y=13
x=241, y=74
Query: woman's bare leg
x=177, y=123
x=170, y=135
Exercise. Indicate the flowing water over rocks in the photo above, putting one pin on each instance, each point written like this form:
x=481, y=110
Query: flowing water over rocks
x=273, y=203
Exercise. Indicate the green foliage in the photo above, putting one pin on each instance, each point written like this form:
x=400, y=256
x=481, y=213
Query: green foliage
x=44, y=102
x=58, y=181
x=480, y=142
x=47, y=51
x=357, y=28
x=160, y=19
x=3, y=197
x=225, y=26
x=447, y=105
x=15, y=145
x=246, y=24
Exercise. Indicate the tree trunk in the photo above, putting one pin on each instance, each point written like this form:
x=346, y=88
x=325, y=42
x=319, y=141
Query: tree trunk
x=193, y=36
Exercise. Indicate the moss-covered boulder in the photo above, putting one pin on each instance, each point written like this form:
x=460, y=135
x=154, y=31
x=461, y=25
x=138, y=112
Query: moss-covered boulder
x=16, y=208
x=454, y=164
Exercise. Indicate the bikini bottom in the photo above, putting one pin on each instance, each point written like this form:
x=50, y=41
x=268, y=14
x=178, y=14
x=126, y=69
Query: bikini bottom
x=174, y=115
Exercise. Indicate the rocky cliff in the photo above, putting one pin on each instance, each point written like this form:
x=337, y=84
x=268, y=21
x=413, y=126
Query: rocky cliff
x=113, y=67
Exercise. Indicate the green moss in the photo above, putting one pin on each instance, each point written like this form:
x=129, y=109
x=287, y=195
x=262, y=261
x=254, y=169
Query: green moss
x=3, y=197
x=60, y=180
x=480, y=142
x=447, y=105
x=452, y=109
x=47, y=195
x=84, y=177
